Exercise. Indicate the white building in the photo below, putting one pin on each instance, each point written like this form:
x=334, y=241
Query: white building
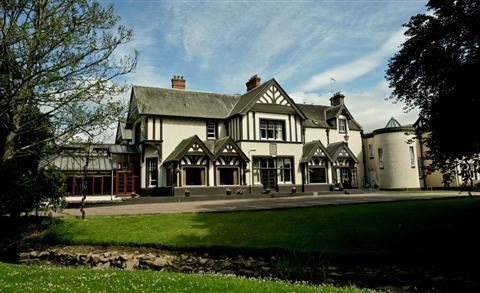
x=209, y=143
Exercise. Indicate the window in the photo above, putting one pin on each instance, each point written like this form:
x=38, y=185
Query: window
x=273, y=130
x=152, y=172
x=380, y=159
x=342, y=125
x=211, y=130
x=370, y=151
x=317, y=174
x=412, y=157
x=227, y=176
x=194, y=175
x=284, y=167
x=270, y=171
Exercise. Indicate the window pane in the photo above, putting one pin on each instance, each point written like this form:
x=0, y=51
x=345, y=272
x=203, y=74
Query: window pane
x=194, y=176
x=211, y=129
x=278, y=130
x=271, y=128
x=412, y=157
x=227, y=176
x=318, y=175
x=342, y=125
x=380, y=158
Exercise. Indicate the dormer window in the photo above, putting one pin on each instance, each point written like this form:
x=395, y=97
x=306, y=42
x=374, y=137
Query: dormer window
x=211, y=130
x=342, y=125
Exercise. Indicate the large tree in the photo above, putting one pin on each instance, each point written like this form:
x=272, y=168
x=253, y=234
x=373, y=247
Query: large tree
x=59, y=73
x=437, y=70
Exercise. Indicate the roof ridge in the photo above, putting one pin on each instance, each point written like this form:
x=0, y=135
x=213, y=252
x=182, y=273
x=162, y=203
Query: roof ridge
x=191, y=91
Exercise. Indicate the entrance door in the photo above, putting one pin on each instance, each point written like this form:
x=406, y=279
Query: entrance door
x=268, y=173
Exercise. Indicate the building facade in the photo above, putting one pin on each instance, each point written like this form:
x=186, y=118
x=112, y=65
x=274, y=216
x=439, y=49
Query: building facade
x=260, y=141
x=395, y=158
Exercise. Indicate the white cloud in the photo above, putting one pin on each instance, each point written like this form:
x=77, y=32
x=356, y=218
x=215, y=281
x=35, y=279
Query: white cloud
x=355, y=69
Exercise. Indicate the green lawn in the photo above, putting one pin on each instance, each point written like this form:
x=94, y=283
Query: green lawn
x=20, y=278
x=398, y=227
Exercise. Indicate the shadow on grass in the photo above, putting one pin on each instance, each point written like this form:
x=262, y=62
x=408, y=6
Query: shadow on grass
x=421, y=232
x=20, y=233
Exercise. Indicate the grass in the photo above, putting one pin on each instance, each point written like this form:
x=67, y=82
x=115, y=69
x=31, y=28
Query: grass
x=407, y=227
x=21, y=278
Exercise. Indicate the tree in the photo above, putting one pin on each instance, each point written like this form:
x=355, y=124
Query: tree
x=59, y=73
x=437, y=70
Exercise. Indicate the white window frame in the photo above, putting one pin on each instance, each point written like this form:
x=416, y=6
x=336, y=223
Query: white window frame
x=151, y=172
x=370, y=151
x=219, y=168
x=412, y=156
x=211, y=129
x=184, y=173
x=344, y=125
x=317, y=167
x=381, y=163
x=275, y=127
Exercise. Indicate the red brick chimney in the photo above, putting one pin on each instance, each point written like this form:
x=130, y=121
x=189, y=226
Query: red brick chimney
x=253, y=82
x=178, y=82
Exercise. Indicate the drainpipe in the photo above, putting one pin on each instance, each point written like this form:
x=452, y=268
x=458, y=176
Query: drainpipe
x=363, y=159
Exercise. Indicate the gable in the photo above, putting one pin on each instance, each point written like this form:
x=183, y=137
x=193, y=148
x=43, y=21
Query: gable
x=228, y=147
x=314, y=149
x=268, y=97
x=273, y=96
x=340, y=150
x=191, y=145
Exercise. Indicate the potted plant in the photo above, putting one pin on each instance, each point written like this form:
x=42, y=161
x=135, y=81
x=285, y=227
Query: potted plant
x=294, y=190
x=228, y=191
x=239, y=191
x=187, y=193
x=340, y=186
x=268, y=190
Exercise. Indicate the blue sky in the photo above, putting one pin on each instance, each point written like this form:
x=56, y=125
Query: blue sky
x=218, y=45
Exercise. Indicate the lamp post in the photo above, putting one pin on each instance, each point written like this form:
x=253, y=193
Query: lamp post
x=88, y=146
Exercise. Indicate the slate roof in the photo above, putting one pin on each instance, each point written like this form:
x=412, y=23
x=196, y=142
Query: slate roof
x=71, y=162
x=392, y=123
x=124, y=132
x=246, y=99
x=315, y=115
x=174, y=102
x=183, y=103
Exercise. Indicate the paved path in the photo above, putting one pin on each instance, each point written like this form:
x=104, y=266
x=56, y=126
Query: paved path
x=227, y=205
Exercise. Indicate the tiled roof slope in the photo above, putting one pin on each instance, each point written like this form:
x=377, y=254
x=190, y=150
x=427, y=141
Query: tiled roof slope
x=182, y=103
x=173, y=102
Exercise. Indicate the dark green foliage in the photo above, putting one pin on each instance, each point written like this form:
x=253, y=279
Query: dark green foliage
x=58, y=73
x=437, y=70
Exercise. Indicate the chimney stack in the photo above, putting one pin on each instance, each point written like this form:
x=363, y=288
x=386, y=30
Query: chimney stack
x=253, y=82
x=178, y=82
x=337, y=99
